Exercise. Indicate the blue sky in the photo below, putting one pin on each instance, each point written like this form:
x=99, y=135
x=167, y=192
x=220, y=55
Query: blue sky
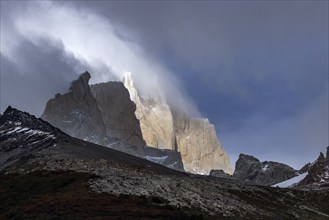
x=257, y=69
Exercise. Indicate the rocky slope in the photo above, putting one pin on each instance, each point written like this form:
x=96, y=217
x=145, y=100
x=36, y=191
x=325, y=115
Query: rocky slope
x=94, y=181
x=166, y=128
x=249, y=169
x=104, y=114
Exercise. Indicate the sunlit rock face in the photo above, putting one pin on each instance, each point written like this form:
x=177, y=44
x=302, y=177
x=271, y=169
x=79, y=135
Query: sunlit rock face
x=167, y=128
x=199, y=146
x=154, y=115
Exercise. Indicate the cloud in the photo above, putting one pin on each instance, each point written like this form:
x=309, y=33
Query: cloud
x=36, y=74
x=94, y=40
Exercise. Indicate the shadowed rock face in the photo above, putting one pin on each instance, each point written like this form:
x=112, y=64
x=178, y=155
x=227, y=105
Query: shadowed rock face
x=117, y=111
x=166, y=128
x=268, y=173
x=76, y=112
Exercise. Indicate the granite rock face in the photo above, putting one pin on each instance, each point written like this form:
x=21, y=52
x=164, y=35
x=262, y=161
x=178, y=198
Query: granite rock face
x=154, y=114
x=249, y=169
x=167, y=128
x=200, y=148
x=104, y=114
x=76, y=112
x=117, y=112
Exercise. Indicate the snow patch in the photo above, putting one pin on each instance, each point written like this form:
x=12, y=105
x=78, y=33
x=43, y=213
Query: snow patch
x=265, y=167
x=292, y=181
x=172, y=165
x=159, y=160
x=29, y=131
x=199, y=172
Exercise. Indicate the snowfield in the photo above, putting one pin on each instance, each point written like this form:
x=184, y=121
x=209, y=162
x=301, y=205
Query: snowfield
x=291, y=182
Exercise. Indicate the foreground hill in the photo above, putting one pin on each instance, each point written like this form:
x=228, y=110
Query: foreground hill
x=47, y=174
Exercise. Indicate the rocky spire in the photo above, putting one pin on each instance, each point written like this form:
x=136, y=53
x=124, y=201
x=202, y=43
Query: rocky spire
x=76, y=112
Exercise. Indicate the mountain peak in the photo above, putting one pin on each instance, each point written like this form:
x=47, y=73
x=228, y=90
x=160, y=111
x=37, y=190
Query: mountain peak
x=80, y=86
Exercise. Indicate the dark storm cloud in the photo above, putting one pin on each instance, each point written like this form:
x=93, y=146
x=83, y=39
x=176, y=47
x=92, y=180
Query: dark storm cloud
x=35, y=75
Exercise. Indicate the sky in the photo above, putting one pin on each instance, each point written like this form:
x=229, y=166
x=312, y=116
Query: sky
x=257, y=69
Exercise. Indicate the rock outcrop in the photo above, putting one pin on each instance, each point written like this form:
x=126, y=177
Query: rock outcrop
x=249, y=169
x=317, y=173
x=167, y=128
x=219, y=173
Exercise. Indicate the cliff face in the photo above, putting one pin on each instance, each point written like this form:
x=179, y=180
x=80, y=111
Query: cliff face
x=105, y=115
x=156, y=121
x=165, y=128
x=199, y=146
x=117, y=111
x=76, y=112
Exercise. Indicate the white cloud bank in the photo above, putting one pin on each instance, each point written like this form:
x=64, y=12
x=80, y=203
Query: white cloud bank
x=92, y=39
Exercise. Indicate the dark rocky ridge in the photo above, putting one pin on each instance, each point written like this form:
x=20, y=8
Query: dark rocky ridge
x=64, y=160
x=22, y=134
x=268, y=173
x=317, y=173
